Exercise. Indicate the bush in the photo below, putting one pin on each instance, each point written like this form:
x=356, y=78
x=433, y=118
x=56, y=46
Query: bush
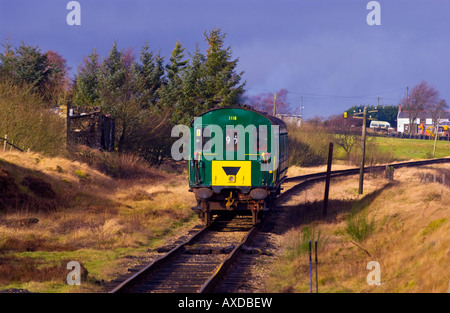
x=28, y=123
x=308, y=145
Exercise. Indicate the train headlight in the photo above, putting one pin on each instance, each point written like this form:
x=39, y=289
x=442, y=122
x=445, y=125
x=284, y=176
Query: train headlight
x=231, y=178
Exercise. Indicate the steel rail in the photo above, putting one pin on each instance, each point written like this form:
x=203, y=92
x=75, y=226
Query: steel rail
x=141, y=275
x=370, y=168
x=219, y=274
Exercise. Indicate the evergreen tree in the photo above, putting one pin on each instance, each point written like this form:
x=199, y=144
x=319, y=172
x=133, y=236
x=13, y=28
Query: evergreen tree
x=387, y=113
x=149, y=75
x=30, y=67
x=112, y=76
x=192, y=101
x=172, y=90
x=7, y=62
x=177, y=64
x=222, y=83
x=118, y=97
x=86, y=82
x=46, y=73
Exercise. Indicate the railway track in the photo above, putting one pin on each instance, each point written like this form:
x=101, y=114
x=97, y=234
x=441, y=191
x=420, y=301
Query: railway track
x=200, y=264
x=195, y=265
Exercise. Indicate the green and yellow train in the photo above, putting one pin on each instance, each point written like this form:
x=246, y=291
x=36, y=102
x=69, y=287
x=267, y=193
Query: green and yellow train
x=238, y=160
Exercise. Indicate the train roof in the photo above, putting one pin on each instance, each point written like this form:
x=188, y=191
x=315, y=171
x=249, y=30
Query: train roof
x=273, y=119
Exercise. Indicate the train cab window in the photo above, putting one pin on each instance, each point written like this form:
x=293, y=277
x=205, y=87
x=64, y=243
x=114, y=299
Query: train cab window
x=231, y=140
x=203, y=139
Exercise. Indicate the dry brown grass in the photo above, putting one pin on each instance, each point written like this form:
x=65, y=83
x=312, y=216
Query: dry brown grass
x=96, y=220
x=410, y=241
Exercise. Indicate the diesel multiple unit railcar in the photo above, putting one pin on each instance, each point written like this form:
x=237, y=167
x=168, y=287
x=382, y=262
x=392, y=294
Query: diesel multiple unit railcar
x=238, y=160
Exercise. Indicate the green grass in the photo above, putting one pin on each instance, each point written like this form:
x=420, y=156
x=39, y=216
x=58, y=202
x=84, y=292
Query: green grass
x=406, y=149
x=432, y=226
x=301, y=245
x=81, y=174
x=358, y=226
x=397, y=149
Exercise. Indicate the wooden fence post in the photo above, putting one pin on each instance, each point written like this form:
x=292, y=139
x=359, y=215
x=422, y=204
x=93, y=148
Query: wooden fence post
x=327, y=181
x=5, y=142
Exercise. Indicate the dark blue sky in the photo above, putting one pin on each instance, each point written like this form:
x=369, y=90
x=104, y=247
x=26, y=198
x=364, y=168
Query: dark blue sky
x=322, y=50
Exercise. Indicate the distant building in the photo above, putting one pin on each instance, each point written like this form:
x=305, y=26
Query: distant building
x=423, y=121
x=290, y=118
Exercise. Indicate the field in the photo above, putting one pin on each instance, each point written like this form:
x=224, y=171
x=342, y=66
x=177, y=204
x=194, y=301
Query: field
x=409, y=149
x=387, y=149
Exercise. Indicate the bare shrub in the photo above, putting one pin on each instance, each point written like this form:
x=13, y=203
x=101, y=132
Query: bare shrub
x=27, y=122
x=308, y=145
x=117, y=165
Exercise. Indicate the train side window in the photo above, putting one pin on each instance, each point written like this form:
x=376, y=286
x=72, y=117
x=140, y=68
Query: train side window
x=262, y=139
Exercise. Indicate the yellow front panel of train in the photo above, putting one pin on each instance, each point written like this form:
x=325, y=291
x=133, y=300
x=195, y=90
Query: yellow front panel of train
x=231, y=173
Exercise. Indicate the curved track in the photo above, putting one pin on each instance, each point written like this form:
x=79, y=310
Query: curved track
x=201, y=263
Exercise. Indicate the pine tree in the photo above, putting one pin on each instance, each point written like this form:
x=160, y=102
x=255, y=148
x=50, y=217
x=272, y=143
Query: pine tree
x=112, y=76
x=222, y=83
x=177, y=64
x=117, y=95
x=86, y=87
x=30, y=66
x=149, y=75
x=171, y=91
x=7, y=62
x=192, y=101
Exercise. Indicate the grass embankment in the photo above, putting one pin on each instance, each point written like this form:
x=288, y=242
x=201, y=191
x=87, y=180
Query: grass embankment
x=404, y=226
x=53, y=210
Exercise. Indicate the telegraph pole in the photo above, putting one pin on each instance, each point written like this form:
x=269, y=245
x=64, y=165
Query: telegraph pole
x=363, y=146
x=363, y=153
x=275, y=104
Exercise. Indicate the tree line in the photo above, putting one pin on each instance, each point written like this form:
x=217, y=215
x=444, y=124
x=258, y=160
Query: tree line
x=146, y=95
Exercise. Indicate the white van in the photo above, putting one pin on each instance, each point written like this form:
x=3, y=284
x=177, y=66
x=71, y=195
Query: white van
x=380, y=125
